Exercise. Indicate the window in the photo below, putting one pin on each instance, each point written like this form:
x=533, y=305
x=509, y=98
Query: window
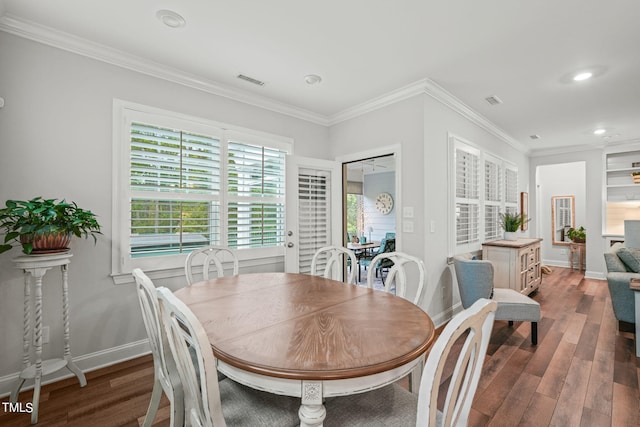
x=484, y=186
x=184, y=183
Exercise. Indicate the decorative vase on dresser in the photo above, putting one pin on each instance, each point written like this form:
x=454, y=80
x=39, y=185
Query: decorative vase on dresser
x=516, y=263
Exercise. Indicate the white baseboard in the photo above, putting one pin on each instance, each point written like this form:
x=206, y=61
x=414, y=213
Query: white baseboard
x=87, y=363
x=446, y=315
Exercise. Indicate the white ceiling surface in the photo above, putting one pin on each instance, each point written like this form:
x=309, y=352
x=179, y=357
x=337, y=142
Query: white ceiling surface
x=521, y=52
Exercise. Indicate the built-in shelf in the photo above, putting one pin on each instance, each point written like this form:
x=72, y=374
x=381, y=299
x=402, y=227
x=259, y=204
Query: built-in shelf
x=620, y=193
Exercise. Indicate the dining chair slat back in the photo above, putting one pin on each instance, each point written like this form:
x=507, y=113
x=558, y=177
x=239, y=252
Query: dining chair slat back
x=334, y=258
x=210, y=255
x=463, y=343
x=165, y=375
x=208, y=401
x=397, y=274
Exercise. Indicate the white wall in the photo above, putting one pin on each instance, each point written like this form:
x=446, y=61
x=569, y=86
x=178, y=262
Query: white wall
x=375, y=184
x=566, y=179
x=56, y=141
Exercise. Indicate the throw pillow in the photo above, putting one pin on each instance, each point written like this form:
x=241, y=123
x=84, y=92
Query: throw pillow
x=631, y=257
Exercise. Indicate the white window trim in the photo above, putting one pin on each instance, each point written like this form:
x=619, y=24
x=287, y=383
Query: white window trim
x=123, y=111
x=454, y=142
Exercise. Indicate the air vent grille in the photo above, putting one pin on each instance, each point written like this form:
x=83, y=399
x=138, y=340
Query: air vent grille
x=250, y=80
x=493, y=100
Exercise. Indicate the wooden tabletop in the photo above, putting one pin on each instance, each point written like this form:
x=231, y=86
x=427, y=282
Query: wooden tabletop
x=305, y=327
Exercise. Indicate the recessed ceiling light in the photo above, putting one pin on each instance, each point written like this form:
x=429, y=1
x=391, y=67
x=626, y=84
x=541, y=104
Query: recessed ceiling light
x=599, y=131
x=583, y=76
x=535, y=136
x=170, y=18
x=493, y=100
x=312, y=79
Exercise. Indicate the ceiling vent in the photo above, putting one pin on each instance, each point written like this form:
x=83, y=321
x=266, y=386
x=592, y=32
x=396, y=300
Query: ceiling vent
x=250, y=80
x=534, y=136
x=493, y=100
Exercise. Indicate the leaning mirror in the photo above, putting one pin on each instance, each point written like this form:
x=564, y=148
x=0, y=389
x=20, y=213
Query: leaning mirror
x=562, y=218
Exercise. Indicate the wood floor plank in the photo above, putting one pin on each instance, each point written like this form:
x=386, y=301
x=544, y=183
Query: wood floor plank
x=625, y=406
x=600, y=390
x=539, y=412
x=568, y=410
x=554, y=377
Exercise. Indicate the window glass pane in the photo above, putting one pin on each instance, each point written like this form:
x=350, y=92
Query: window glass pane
x=161, y=227
x=492, y=177
x=511, y=186
x=165, y=159
x=253, y=225
x=467, y=219
x=255, y=171
x=466, y=174
x=492, y=228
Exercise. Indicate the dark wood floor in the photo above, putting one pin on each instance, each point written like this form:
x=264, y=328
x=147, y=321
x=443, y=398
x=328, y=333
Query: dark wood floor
x=582, y=372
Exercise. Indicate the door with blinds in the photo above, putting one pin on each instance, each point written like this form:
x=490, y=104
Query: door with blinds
x=313, y=210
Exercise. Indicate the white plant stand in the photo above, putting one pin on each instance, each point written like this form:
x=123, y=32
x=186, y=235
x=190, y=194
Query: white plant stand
x=36, y=266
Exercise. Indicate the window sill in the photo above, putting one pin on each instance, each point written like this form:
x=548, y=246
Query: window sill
x=254, y=264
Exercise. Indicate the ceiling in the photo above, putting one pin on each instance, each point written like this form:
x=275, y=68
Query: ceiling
x=524, y=53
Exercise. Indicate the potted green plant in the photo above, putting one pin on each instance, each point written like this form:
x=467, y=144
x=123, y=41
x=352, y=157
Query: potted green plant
x=45, y=225
x=577, y=235
x=511, y=223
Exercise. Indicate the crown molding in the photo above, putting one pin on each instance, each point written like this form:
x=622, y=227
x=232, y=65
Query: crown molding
x=80, y=46
x=431, y=88
x=61, y=40
x=381, y=101
x=440, y=94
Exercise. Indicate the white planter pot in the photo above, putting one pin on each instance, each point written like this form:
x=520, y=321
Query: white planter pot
x=510, y=235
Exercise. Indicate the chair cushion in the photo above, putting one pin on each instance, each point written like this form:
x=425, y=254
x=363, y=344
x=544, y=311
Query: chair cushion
x=512, y=305
x=631, y=258
x=389, y=406
x=243, y=406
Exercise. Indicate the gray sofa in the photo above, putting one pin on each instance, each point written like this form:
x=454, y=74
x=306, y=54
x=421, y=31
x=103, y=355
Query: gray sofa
x=622, y=265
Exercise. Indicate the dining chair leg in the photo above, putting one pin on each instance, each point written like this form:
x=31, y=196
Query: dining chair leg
x=534, y=333
x=156, y=395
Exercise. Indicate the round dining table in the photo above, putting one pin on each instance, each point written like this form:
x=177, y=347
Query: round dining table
x=308, y=336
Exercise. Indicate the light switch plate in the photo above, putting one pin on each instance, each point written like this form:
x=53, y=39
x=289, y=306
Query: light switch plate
x=407, y=212
x=407, y=226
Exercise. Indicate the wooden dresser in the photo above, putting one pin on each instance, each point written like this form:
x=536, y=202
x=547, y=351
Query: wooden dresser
x=516, y=263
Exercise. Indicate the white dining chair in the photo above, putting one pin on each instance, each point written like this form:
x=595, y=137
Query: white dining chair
x=397, y=262
x=209, y=402
x=334, y=258
x=466, y=337
x=209, y=255
x=165, y=374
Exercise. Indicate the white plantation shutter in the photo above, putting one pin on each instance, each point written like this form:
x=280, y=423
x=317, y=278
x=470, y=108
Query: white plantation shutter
x=493, y=196
x=467, y=185
x=256, y=191
x=314, y=215
x=511, y=189
x=484, y=186
x=183, y=182
x=174, y=181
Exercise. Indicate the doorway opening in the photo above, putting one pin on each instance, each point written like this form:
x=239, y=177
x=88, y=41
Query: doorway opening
x=369, y=187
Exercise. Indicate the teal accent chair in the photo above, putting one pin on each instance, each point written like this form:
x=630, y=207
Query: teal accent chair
x=386, y=245
x=475, y=281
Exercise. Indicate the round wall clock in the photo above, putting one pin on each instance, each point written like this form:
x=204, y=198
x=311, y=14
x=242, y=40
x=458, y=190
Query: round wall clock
x=384, y=203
